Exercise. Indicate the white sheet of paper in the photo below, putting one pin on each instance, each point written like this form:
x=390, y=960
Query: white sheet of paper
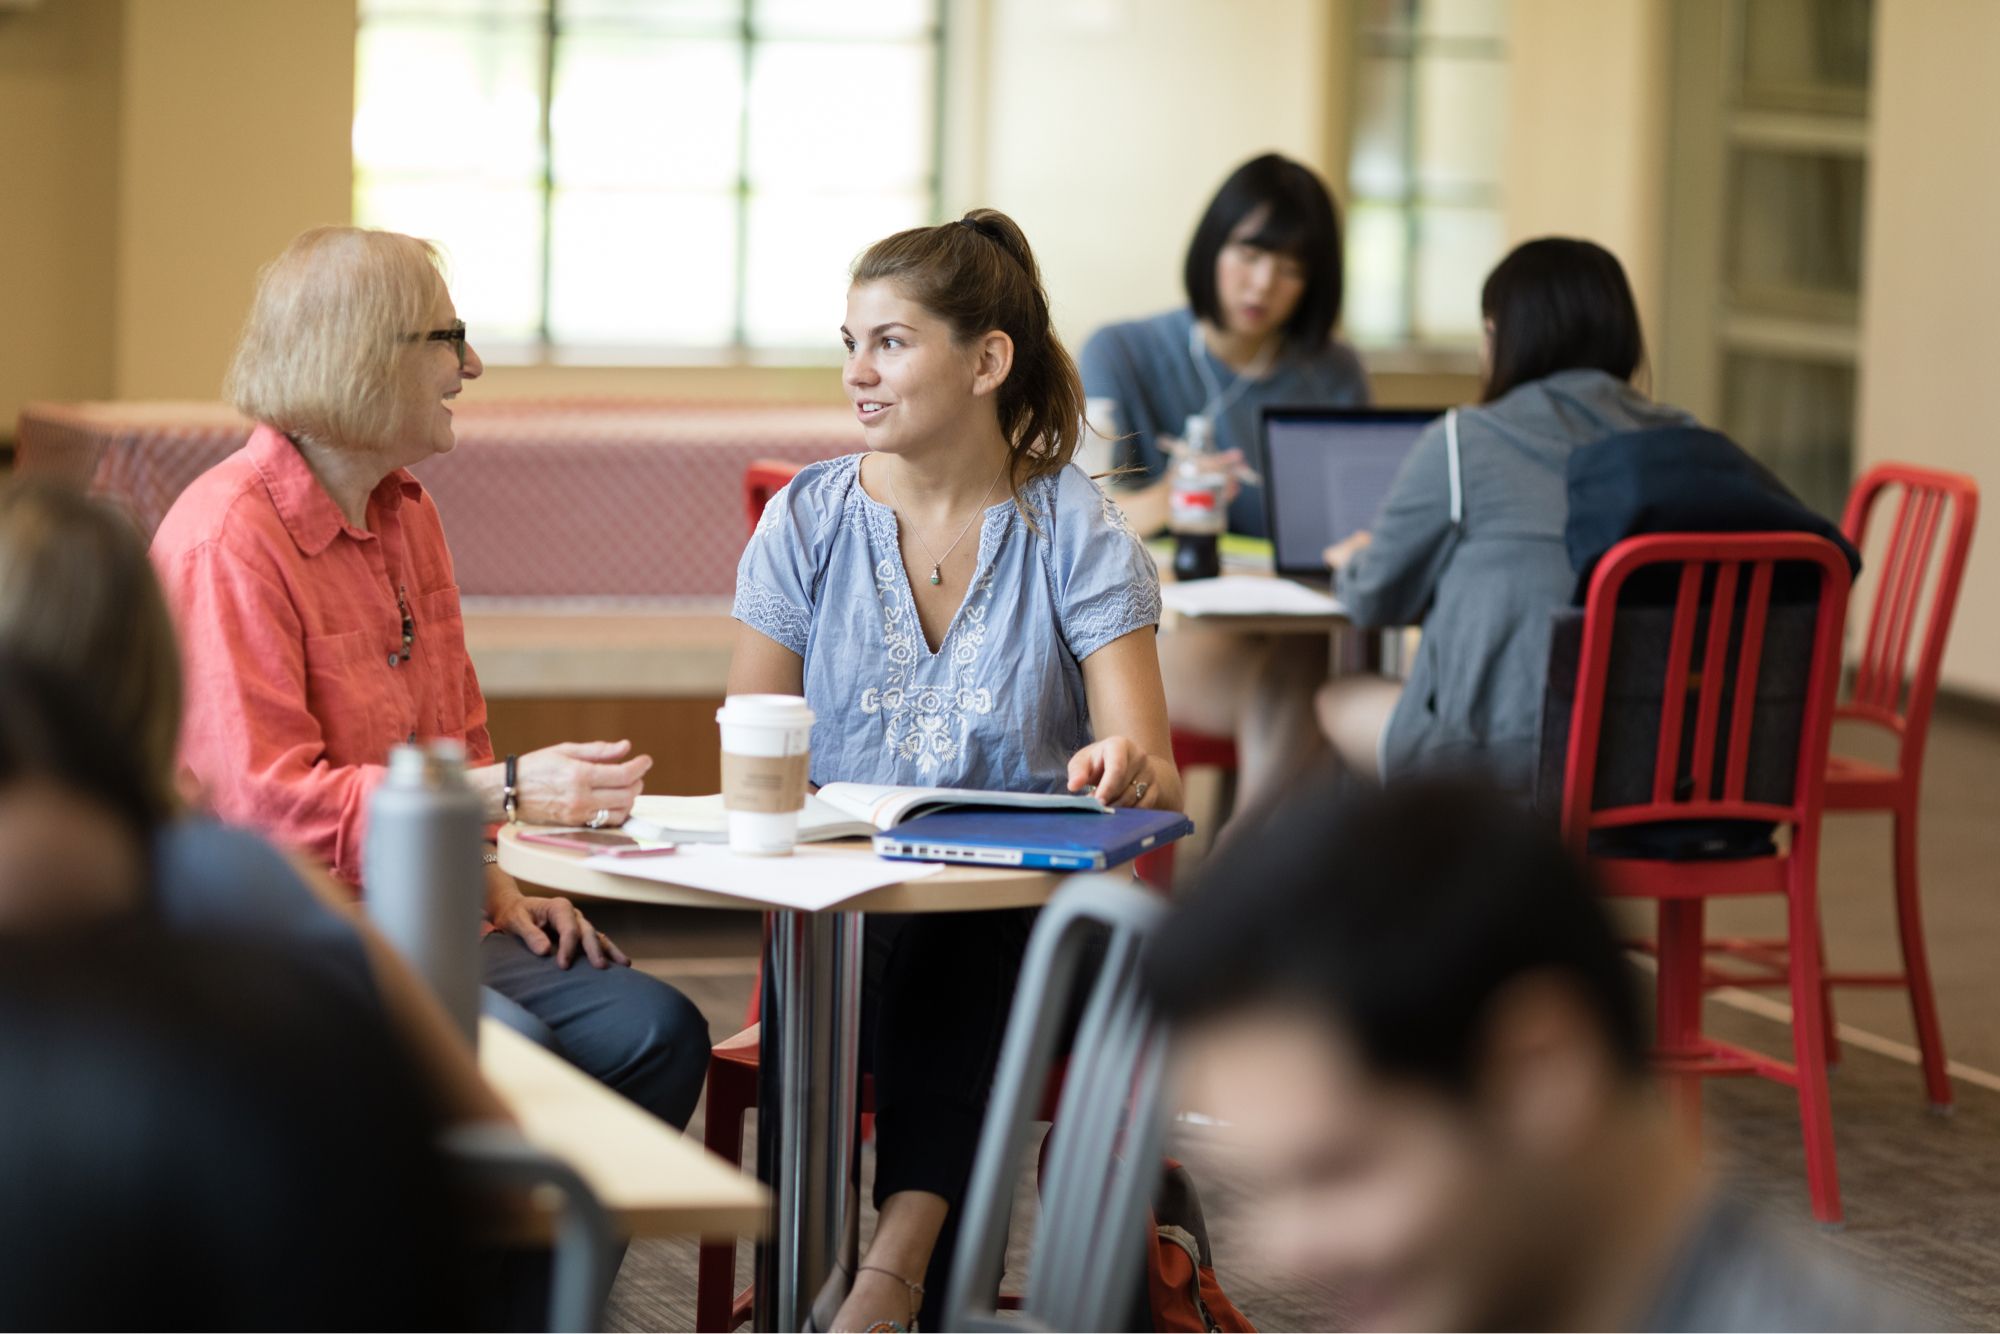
x=684, y=814
x=809, y=880
x=1247, y=595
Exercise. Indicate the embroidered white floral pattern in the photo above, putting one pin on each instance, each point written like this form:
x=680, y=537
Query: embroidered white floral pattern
x=928, y=725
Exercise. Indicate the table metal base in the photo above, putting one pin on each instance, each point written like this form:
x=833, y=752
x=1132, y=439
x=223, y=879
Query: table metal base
x=807, y=1098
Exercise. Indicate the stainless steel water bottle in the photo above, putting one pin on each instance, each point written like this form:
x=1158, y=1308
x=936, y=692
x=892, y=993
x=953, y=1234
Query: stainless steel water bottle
x=424, y=872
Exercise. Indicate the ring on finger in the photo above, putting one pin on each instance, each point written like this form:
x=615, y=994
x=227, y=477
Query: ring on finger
x=599, y=820
x=1138, y=792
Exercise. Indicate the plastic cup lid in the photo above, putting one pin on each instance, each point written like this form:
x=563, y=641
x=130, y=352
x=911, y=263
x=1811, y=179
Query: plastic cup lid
x=765, y=711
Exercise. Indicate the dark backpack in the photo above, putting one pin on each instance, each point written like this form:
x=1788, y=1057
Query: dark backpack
x=1677, y=479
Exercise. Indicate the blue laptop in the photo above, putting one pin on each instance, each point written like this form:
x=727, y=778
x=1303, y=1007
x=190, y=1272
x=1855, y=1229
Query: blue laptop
x=1041, y=840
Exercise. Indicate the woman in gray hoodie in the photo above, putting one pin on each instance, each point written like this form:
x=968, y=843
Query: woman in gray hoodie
x=1470, y=540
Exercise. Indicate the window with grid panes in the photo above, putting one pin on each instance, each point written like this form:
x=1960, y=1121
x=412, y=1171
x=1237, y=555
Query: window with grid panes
x=1423, y=181
x=633, y=180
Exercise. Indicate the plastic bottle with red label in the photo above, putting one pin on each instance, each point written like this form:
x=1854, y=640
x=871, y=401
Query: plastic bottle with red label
x=1198, y=504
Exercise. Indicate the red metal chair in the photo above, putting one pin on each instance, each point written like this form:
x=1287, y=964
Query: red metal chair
x=763, y=479
x=1701, y=762
x=1888, y=692
x=1191, y=750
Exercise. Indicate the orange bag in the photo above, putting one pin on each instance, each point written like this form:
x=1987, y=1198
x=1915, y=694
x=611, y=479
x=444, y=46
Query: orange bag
x=1181, y=1287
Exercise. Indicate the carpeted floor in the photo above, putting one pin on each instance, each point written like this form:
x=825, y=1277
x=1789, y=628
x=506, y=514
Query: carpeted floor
x=1922, y=1192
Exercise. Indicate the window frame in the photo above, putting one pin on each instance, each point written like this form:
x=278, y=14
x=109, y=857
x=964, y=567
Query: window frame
x=1406, y=46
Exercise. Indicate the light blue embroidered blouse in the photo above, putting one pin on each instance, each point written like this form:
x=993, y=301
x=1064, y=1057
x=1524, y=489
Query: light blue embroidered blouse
x=1001, y=704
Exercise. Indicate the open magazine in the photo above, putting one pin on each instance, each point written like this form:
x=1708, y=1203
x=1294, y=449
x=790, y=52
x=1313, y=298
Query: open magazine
x=840, y=810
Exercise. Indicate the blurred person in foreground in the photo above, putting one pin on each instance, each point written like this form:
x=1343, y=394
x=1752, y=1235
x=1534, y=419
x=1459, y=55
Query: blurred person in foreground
x=74, y=815
x=320, y=627
x=175, y=1157
x=1411, y=1017
x=79, y=602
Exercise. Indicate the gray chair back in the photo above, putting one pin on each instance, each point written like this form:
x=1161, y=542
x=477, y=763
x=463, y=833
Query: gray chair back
x=586, y=1250
x=1104, y=1166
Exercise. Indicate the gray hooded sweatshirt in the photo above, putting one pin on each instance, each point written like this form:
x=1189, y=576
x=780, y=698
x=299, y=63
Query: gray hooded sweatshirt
x=1483, y=587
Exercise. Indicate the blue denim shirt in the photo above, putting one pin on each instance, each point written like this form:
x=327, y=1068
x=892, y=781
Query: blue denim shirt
x=1000, y=704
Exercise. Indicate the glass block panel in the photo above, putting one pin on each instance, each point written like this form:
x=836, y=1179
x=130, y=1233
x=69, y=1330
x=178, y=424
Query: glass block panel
x=860, y=20
x=1807, y=55
x=1397, y=17
x=1456, y=249
x=1794, y=232
x=842, y=115
x=492, y=239
x=801, y=248
x=1798, y=417
x=646, y=112
x=1484, y=20
x=645, y=269
x=447, y=10
x=452, y=97
x=1375, y=306
x=1460, y=129
x=693, y=17
x=1378, y=162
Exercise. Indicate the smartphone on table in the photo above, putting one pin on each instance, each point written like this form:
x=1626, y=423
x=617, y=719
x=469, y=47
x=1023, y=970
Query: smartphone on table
x=608, y=841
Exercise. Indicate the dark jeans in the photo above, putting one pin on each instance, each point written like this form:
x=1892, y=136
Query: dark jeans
x=934, y=1010
x=618, y=1025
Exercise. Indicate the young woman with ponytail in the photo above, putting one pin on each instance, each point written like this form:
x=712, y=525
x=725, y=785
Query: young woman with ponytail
x=963, y=607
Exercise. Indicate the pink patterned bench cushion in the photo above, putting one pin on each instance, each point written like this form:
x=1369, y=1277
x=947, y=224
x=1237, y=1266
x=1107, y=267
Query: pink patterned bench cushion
x=555, y=499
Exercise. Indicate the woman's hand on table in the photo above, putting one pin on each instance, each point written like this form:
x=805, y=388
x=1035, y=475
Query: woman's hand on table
x=1345, y=550
x=571, y=782
x=537, y=920
x=1118, y=770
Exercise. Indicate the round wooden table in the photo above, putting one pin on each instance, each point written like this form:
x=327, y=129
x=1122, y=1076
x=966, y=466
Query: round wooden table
x=954, y=889
x=809, y=1047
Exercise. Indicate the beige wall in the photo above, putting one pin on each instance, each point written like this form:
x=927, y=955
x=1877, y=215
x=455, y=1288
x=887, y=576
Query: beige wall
x=59, y=82
x=1587, y=132
x=1109, y=123
x=1931, y=284
x=236, y=123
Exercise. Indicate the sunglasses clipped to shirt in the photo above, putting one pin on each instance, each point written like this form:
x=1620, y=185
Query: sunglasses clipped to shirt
x=455, y=335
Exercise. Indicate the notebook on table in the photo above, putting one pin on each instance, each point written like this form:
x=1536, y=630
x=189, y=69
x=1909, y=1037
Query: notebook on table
x=839, y=810
x=1327, y=472
x=1032, y=839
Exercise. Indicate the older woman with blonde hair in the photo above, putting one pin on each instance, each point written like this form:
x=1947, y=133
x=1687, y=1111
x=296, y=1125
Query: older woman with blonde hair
x=320, y=626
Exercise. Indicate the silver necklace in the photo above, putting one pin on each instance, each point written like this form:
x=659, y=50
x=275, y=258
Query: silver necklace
x=937, y=562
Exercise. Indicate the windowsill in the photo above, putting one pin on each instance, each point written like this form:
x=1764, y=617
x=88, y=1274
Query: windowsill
x=628, y=358
x=1419, y=358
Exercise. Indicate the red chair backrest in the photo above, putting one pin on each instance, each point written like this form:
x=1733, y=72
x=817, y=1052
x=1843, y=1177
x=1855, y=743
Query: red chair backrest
x=1743, y=566
x=1885, y=689
x=762, y=480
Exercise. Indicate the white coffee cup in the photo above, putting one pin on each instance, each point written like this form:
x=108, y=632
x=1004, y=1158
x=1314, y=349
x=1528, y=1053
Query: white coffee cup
x=766, y=759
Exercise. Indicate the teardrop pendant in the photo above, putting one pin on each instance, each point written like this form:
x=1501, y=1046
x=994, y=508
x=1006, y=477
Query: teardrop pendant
x=936, y=578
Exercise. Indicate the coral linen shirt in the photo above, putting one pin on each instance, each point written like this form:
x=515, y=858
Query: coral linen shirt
x=291, y=626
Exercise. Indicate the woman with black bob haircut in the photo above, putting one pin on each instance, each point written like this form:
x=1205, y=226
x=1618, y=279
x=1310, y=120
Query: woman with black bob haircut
x=1263, y=279
x=1470, y=539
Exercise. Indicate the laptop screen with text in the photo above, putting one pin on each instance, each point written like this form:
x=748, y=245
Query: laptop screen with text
x=1327, y=472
